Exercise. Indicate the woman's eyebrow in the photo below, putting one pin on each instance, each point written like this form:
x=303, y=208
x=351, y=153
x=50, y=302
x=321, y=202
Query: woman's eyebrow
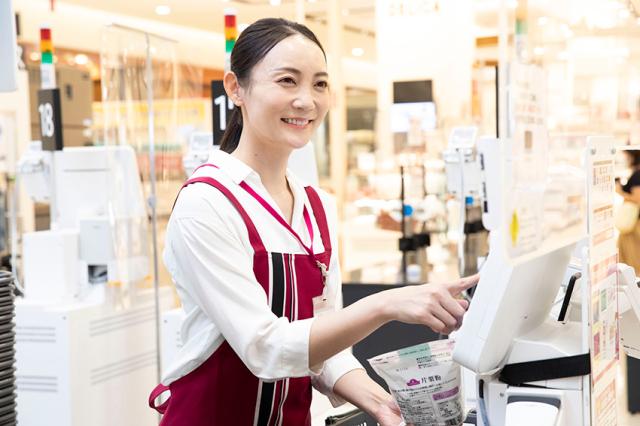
x=298, y=72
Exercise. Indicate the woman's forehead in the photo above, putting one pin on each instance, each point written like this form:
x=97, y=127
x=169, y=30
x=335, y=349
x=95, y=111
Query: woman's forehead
x=297, y=52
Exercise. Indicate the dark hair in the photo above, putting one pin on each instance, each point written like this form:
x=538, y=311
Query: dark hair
x=251, y=47
x=634, y=157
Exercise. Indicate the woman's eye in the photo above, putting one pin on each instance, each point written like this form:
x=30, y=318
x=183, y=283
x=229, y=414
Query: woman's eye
x=322, y=84
x=287, y=80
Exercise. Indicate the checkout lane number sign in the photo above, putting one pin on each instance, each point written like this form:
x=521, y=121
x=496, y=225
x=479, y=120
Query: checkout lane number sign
x=221, y=109
x=50, y=114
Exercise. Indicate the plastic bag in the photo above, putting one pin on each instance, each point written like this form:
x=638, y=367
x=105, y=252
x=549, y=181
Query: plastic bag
x=425, y=383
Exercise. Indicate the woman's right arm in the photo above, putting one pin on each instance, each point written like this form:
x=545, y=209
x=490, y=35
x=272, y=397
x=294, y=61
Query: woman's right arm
x=213, y=267
x=433, y=305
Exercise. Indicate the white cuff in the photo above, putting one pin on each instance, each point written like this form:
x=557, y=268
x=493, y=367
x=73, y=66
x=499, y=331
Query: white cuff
x=295, y=356
x=334, y=368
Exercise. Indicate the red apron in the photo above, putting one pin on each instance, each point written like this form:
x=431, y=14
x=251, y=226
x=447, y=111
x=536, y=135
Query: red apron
x=222, y=391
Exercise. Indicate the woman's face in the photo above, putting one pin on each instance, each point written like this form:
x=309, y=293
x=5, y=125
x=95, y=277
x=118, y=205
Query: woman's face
x=287, y=96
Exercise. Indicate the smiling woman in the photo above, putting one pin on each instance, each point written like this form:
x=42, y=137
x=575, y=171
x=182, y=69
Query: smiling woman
x=271, y=79
x=250, y=250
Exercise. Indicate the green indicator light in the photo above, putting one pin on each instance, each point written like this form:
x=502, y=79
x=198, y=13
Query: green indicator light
x=229, y=45
x=46, y=58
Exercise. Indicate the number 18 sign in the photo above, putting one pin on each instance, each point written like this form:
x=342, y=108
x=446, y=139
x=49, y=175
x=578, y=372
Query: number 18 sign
x=50, y=119
x=221, y=109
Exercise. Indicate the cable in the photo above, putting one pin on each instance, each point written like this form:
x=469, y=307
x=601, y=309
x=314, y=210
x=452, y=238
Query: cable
x=481, y=404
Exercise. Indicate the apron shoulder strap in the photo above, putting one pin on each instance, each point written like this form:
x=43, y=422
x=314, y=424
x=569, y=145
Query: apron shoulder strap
x=254, y=237
x=321, y=218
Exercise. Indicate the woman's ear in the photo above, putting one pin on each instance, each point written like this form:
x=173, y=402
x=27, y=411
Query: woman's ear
x=232, y=87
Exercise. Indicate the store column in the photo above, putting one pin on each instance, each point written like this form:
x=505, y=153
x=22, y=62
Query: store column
x=337, y=113
x=300, y=17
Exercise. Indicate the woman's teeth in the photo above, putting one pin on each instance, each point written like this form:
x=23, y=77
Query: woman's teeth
x=296, y=122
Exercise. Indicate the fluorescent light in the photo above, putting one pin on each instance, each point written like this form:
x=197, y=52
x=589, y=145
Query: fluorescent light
x=275, y=2
x=81, y=59
x=512, y=4
x=34, y=56
x=163, y=10
x=538, y=51
x=357, y=51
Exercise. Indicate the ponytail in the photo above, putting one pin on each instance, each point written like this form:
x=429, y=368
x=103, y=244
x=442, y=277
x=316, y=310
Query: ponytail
x=231, y=136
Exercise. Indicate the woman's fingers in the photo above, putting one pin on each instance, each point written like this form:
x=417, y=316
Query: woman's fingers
x=435, y=324
x=445, y=317
x=453, y=307
x=463, y=303
x=462, y=284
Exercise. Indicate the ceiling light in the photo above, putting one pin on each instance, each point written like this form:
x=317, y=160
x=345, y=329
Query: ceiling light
x=163, y=10
x=512, y=4
x=538, y=51
x=357, y=51
x=34, y=56
x=275, y=2
x=81, y=59
x=312, y=1
x=542, y=21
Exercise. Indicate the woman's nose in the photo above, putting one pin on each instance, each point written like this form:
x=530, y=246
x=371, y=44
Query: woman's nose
x=303, y=100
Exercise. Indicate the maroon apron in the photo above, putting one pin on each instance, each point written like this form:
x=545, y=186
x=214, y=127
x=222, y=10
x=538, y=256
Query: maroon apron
x=222, y=391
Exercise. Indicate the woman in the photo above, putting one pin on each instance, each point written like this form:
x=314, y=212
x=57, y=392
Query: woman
x=629, y=243
x=251, y=251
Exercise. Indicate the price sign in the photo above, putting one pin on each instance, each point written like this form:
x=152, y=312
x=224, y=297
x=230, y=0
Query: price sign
x=221, y=109
x=50, y=114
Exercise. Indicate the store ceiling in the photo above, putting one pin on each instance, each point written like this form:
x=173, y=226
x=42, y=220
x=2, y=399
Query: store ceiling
x=358, y=15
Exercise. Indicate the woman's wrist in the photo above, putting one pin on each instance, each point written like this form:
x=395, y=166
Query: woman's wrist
x=383, y=307
x=360, y=390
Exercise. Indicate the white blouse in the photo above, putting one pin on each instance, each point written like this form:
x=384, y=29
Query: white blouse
x=210, y=258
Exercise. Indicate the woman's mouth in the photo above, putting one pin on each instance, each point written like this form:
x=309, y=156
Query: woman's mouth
x=297, y=122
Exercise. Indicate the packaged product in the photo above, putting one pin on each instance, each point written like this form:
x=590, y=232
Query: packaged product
x=425, y=383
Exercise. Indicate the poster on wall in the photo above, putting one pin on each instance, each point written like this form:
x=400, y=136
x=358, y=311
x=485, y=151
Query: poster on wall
x=602, y=280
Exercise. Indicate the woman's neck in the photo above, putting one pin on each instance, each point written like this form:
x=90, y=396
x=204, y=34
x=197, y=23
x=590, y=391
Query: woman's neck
x=271, y=165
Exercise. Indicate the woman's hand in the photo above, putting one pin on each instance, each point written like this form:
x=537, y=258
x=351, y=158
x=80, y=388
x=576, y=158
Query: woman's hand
x=435, y=305
x=388, y=414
